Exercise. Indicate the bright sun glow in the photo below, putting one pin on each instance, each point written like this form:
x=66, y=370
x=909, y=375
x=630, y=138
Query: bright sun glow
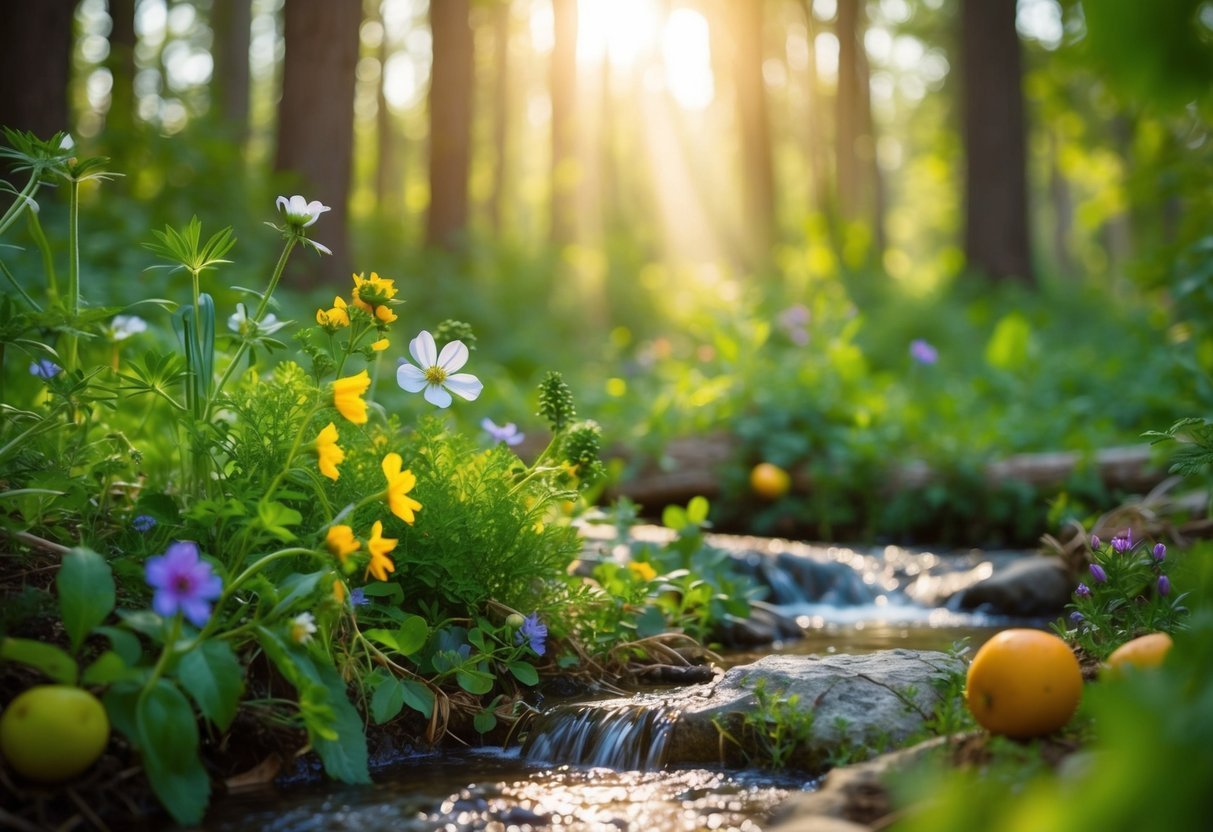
x=688, y=60
x=621, y=29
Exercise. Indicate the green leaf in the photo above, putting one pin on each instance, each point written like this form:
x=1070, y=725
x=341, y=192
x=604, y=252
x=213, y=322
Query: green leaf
x=108, y=668
x=652, y=622
x=45, y=657
x=274, y=517
x=484, y=721
x=215, y=678
x=674, y=517
x=296, y=587
x=125, y=643
x=474, y=681
x=524, y=672
x=146, y=622
x=418, y=697
x=387, y=700
x=86, y=593
x=697, y=510
x=168, y=741
x=407, y=639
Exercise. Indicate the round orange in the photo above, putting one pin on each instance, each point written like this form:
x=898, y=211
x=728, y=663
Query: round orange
x=1141, y=652
x=1023, y=683
x=769, y=481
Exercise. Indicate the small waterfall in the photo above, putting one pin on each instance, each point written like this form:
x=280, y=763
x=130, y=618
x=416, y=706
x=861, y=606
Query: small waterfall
x=626, y=737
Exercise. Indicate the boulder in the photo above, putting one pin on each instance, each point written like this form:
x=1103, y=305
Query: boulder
x=1028, y=587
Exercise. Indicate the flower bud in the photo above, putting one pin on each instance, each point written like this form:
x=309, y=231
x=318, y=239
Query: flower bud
x=1098, y=573
x=1083, y=591
x=514, y=620
x=1094, y=542
x=1164, y=585
x=1160, y=552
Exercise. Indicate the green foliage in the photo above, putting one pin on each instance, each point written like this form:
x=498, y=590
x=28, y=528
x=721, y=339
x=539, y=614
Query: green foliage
x=556, y=402
x=775, y=732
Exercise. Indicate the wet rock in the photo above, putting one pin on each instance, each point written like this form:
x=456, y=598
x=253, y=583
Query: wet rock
x=858, y=702
x=766, y=625
x=1028, y=587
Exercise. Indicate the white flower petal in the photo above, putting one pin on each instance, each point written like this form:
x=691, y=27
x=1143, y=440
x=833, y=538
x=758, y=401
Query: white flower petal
x=282, y=204
x=465, y=385
x=298, y=206
x=436, y=396
x=410, y=378
x=320, y=247
x=423, y=350
x=453, y=356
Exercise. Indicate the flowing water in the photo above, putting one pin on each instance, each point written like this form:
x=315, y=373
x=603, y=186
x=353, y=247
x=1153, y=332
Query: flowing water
x=584, y=768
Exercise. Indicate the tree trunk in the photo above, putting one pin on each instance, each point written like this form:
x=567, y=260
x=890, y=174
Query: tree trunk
x=231, y=21
x=996, y=192
x=450, y=103
x=35, y=63
x=120, y=118
x=816, y=129
x=860, y=191
x=316, y=119
x=758, y=180
x=389, y=184
x=501, y=109
x=563, y=83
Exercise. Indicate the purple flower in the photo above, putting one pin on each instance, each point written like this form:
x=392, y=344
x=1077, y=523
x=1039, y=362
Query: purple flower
x=534, y=631
x=1094, y=541
x=1083, y=591
x=1123, y=543
x=922, y=352
x=1077, y=617
x=1164, y=585
x=183, y=583
x=44, y=368
x=144, y=523
x=1098, y=574
x=1160, y=552
x=507, y=433
x=358, y=598
x=794, y=321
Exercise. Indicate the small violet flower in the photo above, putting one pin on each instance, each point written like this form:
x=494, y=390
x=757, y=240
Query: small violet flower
x=1098, y=573
x=1094, y=541
x=507, y=433
x=922, y=352
x=44, y=368
x=1160, y=552
x=534, y=631
x=144, y=523
x=1083, y=591
x=358, y=598
x=1123, y=543
x=794, y=321
x=1077, y=617
x=183, y=582
x=1164, y=585
x=435, y=372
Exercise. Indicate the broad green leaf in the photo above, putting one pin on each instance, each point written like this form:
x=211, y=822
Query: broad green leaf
x=387, y=700
x=125, y=644
x=86, y=593
x=214, y=678
x=45, y=657
x=674, y=517
x=168, y=741
x=297, y=587
x=275, y=518
x=474, y=681
x=392, y=591
x=1010, y=347
x=652, y=622
x=120, y=700
x=697, y=510
x=108, y=668
x=524, y=672
x=484, y=721
x=407, y=639
x=418, y=697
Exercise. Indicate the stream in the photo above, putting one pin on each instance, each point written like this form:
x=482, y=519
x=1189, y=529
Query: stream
x=588, y=773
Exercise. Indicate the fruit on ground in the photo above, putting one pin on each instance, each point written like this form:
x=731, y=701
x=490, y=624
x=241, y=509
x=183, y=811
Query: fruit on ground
x=769, y=481
x=51, y=733
x=1023, y=683
x=1141, y=652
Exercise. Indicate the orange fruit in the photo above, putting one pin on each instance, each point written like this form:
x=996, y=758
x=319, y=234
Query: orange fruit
x=51, y=733
x=1141, y=652
x=769, y=481
x=1023, y=683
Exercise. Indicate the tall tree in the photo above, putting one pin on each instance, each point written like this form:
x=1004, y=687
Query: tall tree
x=816, y=129
x=757, y=169
x=450, y=103
x=120, y=119
x=563, y=84
x=996, y=188
x=35, y=63
x=316, y=115
x=388, y=170
x=857, y=177
x=501, y=100
x=231, y=22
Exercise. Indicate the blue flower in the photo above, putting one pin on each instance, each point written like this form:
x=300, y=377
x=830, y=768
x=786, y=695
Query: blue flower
x=1083, y=591
x=183, y=582
x=1098, y=574
x=1077, y=617
x=507, y=433
x=44, y=368
x=922, y=352
x=358, y=598
x=1164, y=585
x=144, y=523
x=534, y=631
x=1160, y=552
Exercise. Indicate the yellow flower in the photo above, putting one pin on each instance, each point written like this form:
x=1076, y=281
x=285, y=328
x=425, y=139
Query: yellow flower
x=339, y=592
x=347, y=397
x=330, y=455
x=334, y=318
x=372, y=291
x=385, y=314
x=381, y=345
x=641, y=570
x=341, y=542
x=379, y=546
x=399, y=484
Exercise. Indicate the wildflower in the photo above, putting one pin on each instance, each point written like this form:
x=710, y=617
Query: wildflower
x=1077, y=617
x=373, y=292
x=330, y=454
x=794, y=321
x=923, y=352
x=384, y=314
x=341, y=542
x=300, y=214
x=533, y=631
x=1094, y=541
x=1164, y=585
x=381, y=345
x=399, y=484
x=642, y=570
x=1083, y=591
x=124, y=326
x=44, y=368
x=303, y=626
x=347, y=397
x=335, y=317
x=143, y=523
x=339, y=592
x=435, y=373
x=358, y=598
x=1123, y=543
x=1098, y=573
x=1160, y=552
x=507, y=433
x=183, y=582
x=379, y=546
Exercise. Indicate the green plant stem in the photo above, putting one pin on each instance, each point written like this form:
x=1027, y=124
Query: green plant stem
x=231, y=588
x=48, y=259
x=165, y=654
x=70, y=356
x=8, y=274
x=290, y=456
x=22, y=202
x=279, y=268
